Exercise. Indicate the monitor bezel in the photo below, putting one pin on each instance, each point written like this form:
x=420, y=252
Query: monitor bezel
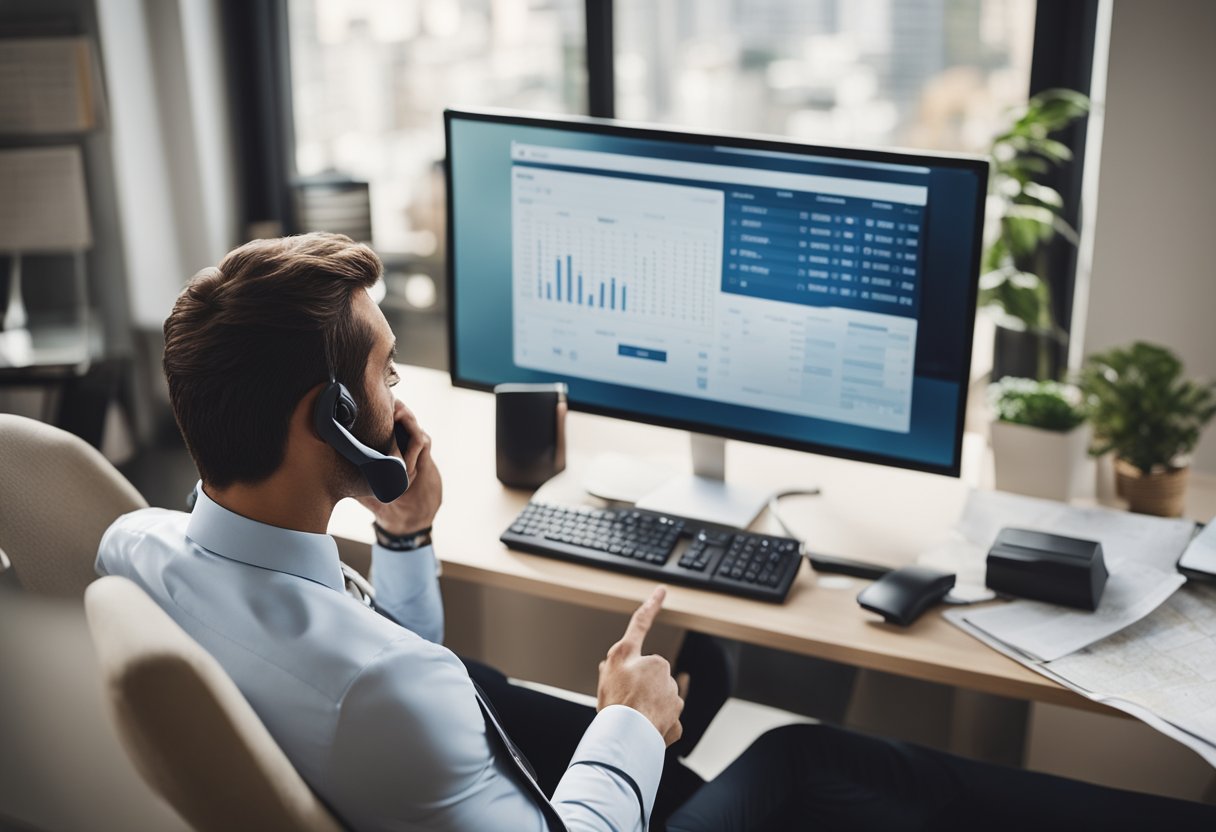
x=588, y=124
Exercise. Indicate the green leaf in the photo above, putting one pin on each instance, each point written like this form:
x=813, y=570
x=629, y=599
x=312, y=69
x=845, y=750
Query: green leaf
x=1021, y=234
x=1057, y=108
x=1031, y=213
x=1054, y=150
x=1018, y=300
x=1043, y=195
x=995, y=256
x=1061, y=227
x=1027, y=166
x=1049, y=405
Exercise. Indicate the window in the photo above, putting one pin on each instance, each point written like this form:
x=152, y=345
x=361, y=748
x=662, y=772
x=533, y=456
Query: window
x=370, y=79
x=915, y=73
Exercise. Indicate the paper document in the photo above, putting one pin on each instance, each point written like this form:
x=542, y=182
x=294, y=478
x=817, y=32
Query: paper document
x=1167, y=663
x=1140, y=554
x=1045, y=632
x=1150, y=647
x=1161, y=670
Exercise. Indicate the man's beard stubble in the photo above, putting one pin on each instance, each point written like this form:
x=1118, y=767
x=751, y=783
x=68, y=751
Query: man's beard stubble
x=364, y=430
x=347, y=477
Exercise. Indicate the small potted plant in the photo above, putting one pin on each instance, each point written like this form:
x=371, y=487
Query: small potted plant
x=1150, y=417
x=1040, y=439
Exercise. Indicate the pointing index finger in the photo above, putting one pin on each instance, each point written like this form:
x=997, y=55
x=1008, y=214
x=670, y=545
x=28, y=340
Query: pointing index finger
x=642, y=619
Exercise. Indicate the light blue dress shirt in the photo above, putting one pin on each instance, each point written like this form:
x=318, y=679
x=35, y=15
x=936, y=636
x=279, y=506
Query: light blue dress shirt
x=381, y=720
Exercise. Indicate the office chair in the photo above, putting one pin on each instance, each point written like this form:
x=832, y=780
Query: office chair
x=190, y=733
x=58, y=495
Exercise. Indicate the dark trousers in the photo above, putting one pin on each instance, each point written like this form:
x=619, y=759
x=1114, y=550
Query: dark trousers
x=817, y=777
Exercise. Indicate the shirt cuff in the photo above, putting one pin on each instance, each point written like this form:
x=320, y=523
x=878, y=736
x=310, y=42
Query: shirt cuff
x=622, y=738
x=401, y=577
x=407, y=587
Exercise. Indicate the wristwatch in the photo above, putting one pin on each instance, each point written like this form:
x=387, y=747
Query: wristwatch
x=402, y=542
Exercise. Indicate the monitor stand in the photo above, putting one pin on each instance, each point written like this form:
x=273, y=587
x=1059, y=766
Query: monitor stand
x=706, y=495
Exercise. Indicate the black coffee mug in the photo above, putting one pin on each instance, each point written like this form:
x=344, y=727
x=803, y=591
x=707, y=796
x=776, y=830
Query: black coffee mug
x=530, y=433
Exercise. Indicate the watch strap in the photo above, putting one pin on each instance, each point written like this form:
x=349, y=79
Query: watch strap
x=402, y=542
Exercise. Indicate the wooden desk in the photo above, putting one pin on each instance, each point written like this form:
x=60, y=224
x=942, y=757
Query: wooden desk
x=867, y=512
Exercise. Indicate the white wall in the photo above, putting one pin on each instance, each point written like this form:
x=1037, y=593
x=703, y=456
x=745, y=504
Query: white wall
x=172, y=155
x=1154, y=276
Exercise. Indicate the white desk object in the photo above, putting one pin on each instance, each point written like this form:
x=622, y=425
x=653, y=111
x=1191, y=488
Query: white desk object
x=1200, y=556
x=44, y=211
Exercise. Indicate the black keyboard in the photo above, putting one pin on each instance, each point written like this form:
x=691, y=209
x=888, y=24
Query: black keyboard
x=658, y=546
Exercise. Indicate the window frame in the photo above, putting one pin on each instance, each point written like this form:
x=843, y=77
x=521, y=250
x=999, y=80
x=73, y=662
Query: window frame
x=1063, y=56
x=257, y=57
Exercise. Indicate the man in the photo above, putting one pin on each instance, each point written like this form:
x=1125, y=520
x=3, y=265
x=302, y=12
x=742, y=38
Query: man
x=384, y=723
x=379, y=719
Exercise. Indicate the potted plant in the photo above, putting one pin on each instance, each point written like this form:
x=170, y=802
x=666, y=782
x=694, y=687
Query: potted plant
x=1023, y=216
x=1150, y=417
x=1040, y=439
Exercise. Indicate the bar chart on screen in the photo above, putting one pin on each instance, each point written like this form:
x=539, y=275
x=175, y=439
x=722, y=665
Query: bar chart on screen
x=596, y=245
x=571, y=289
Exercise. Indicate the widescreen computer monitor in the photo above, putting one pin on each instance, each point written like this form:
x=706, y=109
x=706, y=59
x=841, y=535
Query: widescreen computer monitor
x=816, y=298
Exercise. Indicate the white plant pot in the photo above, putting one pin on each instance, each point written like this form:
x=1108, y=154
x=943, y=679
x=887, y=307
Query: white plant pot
x=1043, y=463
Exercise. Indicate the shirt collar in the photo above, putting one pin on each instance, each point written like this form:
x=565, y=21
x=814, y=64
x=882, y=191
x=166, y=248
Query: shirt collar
x=228, y=534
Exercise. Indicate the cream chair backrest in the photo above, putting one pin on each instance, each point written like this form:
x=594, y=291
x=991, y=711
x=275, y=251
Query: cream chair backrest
x=58, y=495
x=191, y=734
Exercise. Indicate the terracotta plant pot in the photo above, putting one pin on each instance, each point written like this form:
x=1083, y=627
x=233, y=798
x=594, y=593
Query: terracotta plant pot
x=1162, y=493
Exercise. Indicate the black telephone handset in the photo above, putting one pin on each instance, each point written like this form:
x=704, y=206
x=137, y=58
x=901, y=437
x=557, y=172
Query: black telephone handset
x=403, y=440
x=402, y=436
x=333, y=416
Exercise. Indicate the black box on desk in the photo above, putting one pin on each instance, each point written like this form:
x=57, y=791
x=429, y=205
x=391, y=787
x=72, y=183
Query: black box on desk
x=530, y=433
x=1047, y=567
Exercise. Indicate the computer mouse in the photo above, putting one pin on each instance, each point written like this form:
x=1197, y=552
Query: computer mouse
x=902, y=595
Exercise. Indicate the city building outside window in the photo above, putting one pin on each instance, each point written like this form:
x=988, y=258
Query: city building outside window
x=370, y=80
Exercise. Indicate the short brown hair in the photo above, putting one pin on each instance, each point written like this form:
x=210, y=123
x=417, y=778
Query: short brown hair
x=248, y=339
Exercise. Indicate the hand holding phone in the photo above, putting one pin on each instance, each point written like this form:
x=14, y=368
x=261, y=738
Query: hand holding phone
x=416, y=508
x=403, y=443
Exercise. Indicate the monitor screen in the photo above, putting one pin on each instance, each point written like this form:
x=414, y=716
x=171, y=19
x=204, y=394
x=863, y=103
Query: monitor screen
x=816, y=298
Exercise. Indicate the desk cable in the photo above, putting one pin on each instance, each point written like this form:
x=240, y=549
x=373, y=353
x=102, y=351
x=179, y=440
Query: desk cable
x=822, y=563
x=775, y=510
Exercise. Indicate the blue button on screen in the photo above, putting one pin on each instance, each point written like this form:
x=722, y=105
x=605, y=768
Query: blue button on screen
x=641, y=352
